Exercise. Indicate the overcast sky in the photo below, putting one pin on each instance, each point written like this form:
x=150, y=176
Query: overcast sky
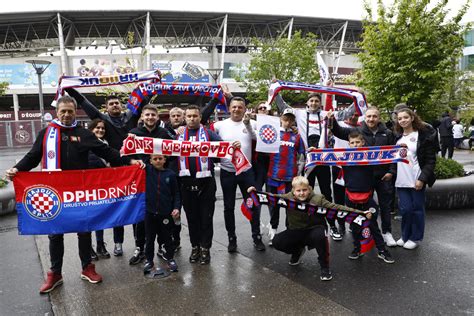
x=343, y=9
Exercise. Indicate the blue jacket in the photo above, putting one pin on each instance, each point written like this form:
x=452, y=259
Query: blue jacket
x=162, y=192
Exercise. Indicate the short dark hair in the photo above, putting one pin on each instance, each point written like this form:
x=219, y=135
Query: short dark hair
x=111, y=97
x=238, y=99
x=314, y=95
x=356, y=134
x=93, y=124
x=66, y=99
x=150, y=107
x=192, y=107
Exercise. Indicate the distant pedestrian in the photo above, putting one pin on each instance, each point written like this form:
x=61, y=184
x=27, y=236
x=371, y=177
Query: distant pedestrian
x=446, y=135
x=458, y=134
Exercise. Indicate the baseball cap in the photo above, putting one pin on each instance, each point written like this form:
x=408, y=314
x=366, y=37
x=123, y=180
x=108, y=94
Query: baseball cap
x=289, y=111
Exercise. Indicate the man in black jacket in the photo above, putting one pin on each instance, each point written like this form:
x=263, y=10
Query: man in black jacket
x=446, y=135
x=376, y=134
x=75, y=143
x=117, y=126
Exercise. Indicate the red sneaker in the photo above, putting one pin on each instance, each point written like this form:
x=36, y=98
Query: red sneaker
x=90, y=275
x=52, y=280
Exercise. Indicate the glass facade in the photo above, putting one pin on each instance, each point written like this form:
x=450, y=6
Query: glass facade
x=467, y=62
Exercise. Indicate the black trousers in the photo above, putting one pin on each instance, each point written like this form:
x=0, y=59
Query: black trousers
x=161, y=226
x=291, y=241
x=275, y=210
x=199, y=199
x=119, y=232
x=323, y=173
x=229, y=183
x=56, y=250
x=339, y=198
x=139, y=234
x=373, y=226
x=447, y=144
x=384, y=191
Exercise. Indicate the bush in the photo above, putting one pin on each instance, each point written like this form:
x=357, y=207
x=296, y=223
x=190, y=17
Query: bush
x=448, y=168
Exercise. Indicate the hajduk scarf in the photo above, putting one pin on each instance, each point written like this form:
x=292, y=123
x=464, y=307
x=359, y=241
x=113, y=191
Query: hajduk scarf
x=257, y=198
x=202, y=164
x=360, y=156
x=101, y=81
x=133, y=145
x=358, y=98
x=150, y=89
x=51, y=160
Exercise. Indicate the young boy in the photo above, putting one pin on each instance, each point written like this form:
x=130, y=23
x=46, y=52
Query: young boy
x=359, y=185
x=163, y=203
x=306, y=230
x=284, y=165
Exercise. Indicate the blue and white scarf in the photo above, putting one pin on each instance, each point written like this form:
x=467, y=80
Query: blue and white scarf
x=52, y=145
x=202, y=163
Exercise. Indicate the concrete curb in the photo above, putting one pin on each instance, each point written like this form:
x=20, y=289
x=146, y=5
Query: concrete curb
x=455, y=193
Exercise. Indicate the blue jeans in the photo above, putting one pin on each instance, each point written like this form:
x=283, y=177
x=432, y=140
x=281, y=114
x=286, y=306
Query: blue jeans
x=229, y=182
x=411, y=204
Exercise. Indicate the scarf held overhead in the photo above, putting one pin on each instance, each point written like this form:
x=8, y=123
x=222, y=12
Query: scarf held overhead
x=374, y=155
x=150, y=89
x=257, y=198
x=357, y=97
x=149, y=145
x=100, y=81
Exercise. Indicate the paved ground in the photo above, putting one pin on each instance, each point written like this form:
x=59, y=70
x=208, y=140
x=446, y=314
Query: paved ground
x=437, y=278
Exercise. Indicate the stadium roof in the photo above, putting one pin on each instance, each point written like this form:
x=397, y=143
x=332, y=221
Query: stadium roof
x=30, y=33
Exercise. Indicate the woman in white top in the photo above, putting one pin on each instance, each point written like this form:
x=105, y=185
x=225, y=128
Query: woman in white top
x=412, y=178
x=458, y=134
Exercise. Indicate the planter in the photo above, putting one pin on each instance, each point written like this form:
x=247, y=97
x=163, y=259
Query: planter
x=7, y=200
x=446, y=194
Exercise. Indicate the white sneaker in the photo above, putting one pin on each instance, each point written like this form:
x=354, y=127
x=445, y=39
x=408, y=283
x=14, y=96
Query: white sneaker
x=271, y=234
x=400, y=242
x=410, y=245
x=389, y=241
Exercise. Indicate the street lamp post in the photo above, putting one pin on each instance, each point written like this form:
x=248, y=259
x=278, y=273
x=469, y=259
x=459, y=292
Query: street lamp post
x=214, y=73
x=40, y=66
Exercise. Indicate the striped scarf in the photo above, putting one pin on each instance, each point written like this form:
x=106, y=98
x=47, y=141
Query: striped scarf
x=52, y=145
x=202, y=163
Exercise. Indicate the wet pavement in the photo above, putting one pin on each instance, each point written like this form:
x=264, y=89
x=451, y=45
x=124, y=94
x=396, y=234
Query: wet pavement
x=436, y=278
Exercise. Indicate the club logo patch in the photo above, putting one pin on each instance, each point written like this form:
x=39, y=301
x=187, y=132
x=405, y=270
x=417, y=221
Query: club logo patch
x=42, y=202
x=268, y=134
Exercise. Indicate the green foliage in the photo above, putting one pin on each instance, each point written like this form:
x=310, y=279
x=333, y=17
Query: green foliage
x=410, y=53
x=3, y=87
x=289, y=60
x=3, y=183
x=448, y=168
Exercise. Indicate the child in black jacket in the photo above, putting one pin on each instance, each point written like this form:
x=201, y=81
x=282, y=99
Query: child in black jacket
x=163, y=203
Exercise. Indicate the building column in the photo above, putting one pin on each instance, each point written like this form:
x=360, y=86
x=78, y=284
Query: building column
x=16, y=106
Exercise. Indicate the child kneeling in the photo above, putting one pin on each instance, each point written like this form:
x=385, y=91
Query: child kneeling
x=162, y=208
x=306, y=230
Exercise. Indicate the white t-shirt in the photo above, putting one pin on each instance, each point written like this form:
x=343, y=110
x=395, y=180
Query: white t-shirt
x=458, y=131
x=407, y=174
x=231, y=131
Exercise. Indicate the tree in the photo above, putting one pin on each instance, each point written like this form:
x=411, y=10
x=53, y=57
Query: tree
x=3, y=87
x=289, y=60
x=409, y=54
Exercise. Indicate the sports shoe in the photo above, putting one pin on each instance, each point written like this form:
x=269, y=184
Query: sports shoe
x=148, y=267
x=118, y=251
x=94, y=255
x=385, y=256
x=205, y=256
x=172, y=265
x=410, y=245
x=232, y=247
x=271, y=234
x=400, y=242
x=258, y=244
x=326, y=274
x=355, y=254
x=52, y=281
x=102, y=251
x=195, y=254
x=335, y=234
x=138, y=256
x=296, y=257
x=90, y=275
x=389, y=241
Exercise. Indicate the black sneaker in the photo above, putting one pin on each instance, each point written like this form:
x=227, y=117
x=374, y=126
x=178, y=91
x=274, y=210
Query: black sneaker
x=94, y=255
x=296, y=257
x=102, y=251
x=195, y=254
x=118, y=251
x=137, y=257
x=326, y=274
x=335, y=234
x=258, y=244
x=232, y=247
x=148, y=267
x=205, y=256
x=385, y=256
x=172, y=265
x=355, y=254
